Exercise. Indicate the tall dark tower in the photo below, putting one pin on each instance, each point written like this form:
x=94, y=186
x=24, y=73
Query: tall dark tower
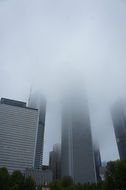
x=38, y=101
x=77, y=154
x=119, y=124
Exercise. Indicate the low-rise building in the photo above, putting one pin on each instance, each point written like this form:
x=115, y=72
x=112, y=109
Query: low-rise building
x=41, y=177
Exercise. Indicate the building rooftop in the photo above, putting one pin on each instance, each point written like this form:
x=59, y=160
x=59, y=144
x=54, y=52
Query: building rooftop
x=15, y=103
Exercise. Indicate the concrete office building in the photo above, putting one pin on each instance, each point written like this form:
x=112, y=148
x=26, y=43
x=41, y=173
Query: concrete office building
x=55, y=161
x=77, y=154
x=37, y=101
x=119, y=124
x=18, y=128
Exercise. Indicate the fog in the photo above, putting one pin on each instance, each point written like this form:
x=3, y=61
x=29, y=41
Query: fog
x=44, y=44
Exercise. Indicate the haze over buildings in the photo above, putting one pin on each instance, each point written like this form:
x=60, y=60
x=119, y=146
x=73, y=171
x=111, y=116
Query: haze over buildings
x=43, y=43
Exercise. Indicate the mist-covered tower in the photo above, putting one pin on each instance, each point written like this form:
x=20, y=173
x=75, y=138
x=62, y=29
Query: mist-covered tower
x=38, y=101
x=77, y=154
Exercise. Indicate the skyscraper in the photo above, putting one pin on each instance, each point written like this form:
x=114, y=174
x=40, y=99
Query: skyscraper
x=38, y=101
x=77, y=154
x=97, y=158
x=119, y=124
x=18, y=127
x=55, y=161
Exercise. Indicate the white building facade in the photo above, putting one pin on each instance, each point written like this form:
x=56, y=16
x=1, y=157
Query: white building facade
x=18, y=133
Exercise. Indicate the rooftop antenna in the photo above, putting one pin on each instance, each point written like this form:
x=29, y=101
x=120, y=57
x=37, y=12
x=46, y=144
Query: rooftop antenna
x=30, y=93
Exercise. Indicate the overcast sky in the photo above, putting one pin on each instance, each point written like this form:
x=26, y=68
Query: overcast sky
x=46, y=43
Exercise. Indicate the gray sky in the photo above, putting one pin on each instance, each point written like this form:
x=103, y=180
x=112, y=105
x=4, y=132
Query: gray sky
x=45, y=43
